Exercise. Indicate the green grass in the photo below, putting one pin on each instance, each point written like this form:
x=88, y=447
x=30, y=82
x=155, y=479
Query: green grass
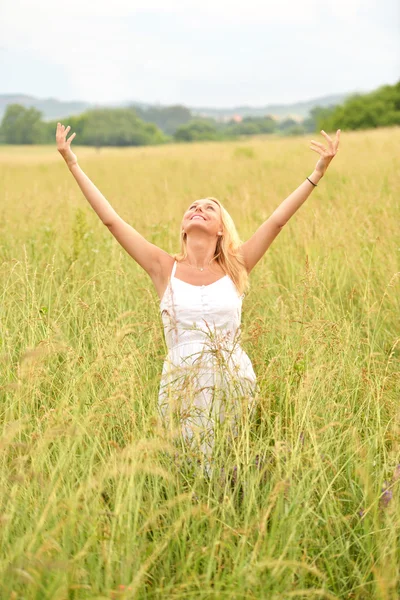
x=94, y=502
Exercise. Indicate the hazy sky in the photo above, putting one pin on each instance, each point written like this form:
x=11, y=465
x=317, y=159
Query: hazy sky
x=197, y=52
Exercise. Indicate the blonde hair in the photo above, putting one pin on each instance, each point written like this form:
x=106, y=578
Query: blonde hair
x=227, y=253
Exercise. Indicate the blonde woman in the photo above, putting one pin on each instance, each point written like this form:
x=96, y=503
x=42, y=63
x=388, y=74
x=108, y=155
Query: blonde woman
x=206, y=375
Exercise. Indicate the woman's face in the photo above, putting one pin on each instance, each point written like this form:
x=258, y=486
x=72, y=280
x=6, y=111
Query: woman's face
x=203, y=215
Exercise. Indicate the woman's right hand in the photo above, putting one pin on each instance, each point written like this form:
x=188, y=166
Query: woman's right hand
x=64, y=145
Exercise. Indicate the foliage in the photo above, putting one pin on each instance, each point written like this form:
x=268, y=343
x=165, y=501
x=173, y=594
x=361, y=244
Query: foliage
x=114, y=127
x=251, y=126
x=22, y=125
x=99, y=127
x=290, y=127
x=136, y=126
x=380, y=108
x=167, y=118
x=197, y=130
x=317, y=115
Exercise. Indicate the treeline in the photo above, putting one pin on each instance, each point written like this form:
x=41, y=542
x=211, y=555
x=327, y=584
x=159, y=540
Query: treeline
x=123, y=127
x=134, y=126
x=380, y=108
x=99, y=127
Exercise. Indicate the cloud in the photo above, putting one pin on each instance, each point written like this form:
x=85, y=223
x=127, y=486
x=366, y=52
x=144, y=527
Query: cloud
x=201, y=51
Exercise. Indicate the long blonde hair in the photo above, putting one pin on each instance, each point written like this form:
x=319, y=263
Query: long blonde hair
x=227, y=251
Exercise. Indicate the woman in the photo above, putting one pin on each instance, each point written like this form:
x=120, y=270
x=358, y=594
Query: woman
x=206, y=375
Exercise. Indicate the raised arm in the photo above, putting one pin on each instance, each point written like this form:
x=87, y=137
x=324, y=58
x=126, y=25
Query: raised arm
x=255, y=247
x=146, y=254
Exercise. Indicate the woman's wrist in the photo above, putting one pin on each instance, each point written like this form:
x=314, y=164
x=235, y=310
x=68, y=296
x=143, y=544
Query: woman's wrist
x=315, y=177
x=72, y=165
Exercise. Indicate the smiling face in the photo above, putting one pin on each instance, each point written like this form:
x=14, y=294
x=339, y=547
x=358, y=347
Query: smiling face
x=203, y=215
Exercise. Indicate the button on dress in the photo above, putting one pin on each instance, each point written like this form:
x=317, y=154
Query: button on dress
x=207, y=377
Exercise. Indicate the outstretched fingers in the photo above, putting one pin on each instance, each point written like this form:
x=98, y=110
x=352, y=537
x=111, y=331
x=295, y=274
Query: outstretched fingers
x=62, y=132
x=318, y=144
x=333, y=144
x=337, y=140
x=321, y=152
x=320, y=148
x=327, y=137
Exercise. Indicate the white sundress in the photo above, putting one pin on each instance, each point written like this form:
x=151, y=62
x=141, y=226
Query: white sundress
x=206, y=375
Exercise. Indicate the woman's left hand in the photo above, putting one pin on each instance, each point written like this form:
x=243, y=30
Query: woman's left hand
x=326, y=153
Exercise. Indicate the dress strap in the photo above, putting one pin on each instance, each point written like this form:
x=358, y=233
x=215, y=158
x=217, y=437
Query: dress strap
x=173, y=270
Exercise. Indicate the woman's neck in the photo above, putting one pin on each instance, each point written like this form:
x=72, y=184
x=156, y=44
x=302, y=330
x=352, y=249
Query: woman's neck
x=200, y=250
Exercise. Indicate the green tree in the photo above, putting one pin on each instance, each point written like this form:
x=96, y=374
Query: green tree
x=113, y=127
x=251, y=126
x=197, y=130
x=22, y=125
x=167, y=118
x=318, y=115
x=380, y=108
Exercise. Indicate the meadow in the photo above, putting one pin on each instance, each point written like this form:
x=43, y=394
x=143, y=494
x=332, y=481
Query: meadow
x=93, y=504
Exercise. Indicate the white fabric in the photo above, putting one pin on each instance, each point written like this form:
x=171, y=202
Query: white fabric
x=206, y=375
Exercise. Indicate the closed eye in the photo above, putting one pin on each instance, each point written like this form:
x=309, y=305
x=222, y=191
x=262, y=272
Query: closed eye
x=208, y=206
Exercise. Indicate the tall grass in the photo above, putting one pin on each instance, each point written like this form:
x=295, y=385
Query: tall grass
x=96, y=502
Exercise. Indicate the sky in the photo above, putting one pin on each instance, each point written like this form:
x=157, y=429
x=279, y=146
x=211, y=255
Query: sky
x=219, y=53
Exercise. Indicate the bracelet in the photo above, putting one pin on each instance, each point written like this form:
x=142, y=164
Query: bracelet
x=314, y=184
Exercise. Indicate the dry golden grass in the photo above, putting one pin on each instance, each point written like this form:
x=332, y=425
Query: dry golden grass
x=93, y=505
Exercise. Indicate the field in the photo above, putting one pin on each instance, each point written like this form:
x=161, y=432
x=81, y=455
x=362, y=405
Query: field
x=92, y=504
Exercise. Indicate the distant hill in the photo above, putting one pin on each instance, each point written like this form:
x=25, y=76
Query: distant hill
x=299, y=110
x=52, y=108
x=49, y=107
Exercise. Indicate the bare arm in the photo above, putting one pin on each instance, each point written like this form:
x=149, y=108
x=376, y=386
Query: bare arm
x=146, y=254
x=255, y=247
